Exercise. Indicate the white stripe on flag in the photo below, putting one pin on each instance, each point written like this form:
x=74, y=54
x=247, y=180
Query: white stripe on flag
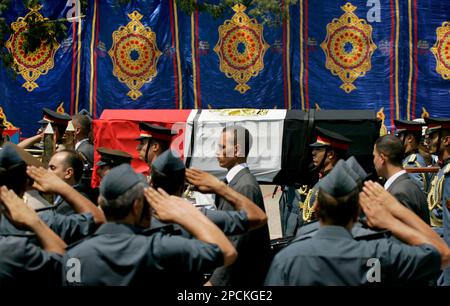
x=265, y=126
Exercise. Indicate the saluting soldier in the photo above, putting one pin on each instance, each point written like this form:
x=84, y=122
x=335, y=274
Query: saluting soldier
x=333, y=257
x=70, y=228
x=110, y=158
x=169, y=173
x=59, y=123
x=328, y=149
x=153, y=141
x=120, y=254
x=22, y=261
x=439, y=195
x=410, y=133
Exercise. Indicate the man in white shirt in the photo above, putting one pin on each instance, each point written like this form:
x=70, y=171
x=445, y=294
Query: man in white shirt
x=83, y=145
x=254, y=247
x=388, y=155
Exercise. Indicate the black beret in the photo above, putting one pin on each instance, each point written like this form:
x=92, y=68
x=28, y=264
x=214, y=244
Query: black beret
x=356, y=167
x=168, y=163
x=339, y=182
x=11, y=155
x=118, y=181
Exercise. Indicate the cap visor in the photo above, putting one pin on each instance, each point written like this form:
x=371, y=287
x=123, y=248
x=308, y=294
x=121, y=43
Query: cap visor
x=318, y=145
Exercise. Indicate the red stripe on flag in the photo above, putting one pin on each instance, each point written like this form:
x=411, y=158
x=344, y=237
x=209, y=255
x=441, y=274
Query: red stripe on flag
x=391, y=65
x=174, y=60
x=118, y=129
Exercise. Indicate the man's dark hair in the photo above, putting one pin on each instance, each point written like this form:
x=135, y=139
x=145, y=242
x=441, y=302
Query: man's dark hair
x=172, y=184
x=340, y=154
x=241, y=136
x=73, y=160
x=162, y=143
x=392, y=147
x=84, y=122
x=119, y=208
x=338, y=211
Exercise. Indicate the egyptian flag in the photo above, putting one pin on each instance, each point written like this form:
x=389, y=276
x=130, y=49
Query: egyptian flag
x=279, y=153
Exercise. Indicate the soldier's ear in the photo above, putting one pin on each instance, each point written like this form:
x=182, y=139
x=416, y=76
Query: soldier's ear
x=409, y=138
x=447, y=140
x=69, y=173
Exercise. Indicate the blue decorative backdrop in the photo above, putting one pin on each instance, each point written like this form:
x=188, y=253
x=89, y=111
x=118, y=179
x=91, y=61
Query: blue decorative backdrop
x=402, y=81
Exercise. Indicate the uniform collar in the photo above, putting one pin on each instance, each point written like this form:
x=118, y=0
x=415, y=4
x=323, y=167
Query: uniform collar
x=333, y=232
x=117, y=228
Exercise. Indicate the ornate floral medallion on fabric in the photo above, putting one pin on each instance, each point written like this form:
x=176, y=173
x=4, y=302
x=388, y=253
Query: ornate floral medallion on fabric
x=348, y=47
x=134, y=54
x=241, y=48
x=30, y=65
x=441, y=50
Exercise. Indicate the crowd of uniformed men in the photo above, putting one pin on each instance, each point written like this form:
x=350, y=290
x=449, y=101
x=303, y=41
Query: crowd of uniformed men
x=55, y=229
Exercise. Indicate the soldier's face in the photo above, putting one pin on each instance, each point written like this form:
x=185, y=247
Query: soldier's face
x=318, y=155
x=378, y=161
x=57, y=166
x=226, y=151
x=432, y=143
x=141, y=148
x=103, y=170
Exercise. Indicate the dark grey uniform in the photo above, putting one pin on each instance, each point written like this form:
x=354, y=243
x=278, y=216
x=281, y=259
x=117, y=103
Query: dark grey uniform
x=333, y=257
x=118, y=254
x=70, y=228
x=62, y=207
x=24, y=263
x=230, y=222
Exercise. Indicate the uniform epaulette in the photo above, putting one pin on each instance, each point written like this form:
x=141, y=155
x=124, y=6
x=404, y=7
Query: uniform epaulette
x=412, y=158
